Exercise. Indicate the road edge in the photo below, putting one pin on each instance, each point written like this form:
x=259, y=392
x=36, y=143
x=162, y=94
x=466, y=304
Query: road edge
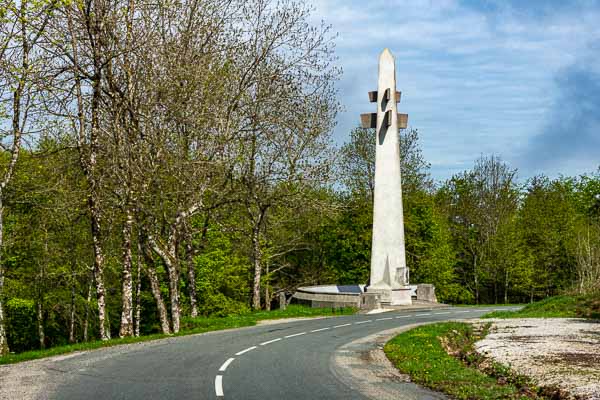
x=363, y=366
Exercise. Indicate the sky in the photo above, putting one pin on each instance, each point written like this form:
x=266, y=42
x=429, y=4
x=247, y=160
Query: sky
x=518, y=79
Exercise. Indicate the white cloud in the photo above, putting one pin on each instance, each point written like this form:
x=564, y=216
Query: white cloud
x=473, y=81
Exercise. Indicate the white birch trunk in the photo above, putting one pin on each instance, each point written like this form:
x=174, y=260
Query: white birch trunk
x=167, y=257
x=160, y=304
x=86, y=323
x=138, y=290
x=126, y=281
x=72, y=315
x=256, y=259
x=4, y=350
x=191, y=276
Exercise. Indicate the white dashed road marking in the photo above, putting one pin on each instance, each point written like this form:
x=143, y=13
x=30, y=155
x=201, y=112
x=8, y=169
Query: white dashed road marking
x=270, y=341
x=226, y=364
x=219, y=378
x=219, y=385
x=339, y=326
x=239, y=353
x=295, y=334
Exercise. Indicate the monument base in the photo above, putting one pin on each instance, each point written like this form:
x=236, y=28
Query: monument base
x=401, y=296
x=383, y=294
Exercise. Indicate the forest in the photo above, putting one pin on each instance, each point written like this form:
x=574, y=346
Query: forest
x=175, y=159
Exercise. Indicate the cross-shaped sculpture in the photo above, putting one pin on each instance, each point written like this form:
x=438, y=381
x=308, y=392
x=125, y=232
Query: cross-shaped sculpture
x=389, y=274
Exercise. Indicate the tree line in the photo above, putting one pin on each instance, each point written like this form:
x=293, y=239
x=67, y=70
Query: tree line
x=482, y=236
x=171, y=160
x=130, y=131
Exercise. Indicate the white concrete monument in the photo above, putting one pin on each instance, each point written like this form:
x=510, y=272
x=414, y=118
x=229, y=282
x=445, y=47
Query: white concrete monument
x=389, y=274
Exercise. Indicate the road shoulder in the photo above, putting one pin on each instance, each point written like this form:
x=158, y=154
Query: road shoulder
x=362, y=365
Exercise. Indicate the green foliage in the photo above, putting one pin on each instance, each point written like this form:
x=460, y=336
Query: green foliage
x=565, y=306
x=296, y=311
x=419, y=353
x=189, y=326
x=221, y=283
x=346, y=243
x=520, y=250
x=589, y=306
x=430, y=256
x=21, y=324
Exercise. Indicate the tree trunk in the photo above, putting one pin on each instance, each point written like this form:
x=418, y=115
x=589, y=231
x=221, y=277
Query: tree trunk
x=267, y=294
x=138, y=292
x=126, y=280
x=72, y=315
x=476, y=278
x=191, y=276
x=87, y=312
x=4, y=350
x=174, y=293
x=168, y=258
x=256, y=259
x=496, y=288
x=531, y=296
x=40, y=325
x=17, y=122
x=506, y=287
x=99, y=270
x=160, y=304
x=88, y=151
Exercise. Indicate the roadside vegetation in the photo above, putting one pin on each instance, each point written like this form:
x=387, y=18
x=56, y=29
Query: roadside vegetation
x=189, y=326
x=442, y=357
x=565, y=306
x=161, y=161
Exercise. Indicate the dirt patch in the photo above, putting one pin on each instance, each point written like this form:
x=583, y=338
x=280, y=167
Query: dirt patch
x=584, y=360
x=554, y=352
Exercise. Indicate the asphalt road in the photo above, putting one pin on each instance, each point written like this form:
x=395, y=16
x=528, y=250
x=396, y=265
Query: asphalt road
x=283, y=361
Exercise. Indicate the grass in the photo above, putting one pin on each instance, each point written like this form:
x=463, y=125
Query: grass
x=566, y=306
x=422, y=353
x=487, y=305
x=189, y=326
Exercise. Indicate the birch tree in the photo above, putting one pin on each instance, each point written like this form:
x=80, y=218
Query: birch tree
x=287, y=106
x=81, y=52
x=22, y=26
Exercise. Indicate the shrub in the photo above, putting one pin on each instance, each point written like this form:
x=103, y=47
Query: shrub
x=21, y=324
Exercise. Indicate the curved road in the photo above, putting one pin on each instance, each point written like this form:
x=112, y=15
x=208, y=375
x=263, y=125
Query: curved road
x=283, y=361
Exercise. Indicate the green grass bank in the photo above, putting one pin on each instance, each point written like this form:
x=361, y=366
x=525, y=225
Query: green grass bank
x=189, y=326
x=442, y=357
x=566, y=306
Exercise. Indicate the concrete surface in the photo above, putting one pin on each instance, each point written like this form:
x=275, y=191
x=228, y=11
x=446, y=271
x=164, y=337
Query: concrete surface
x=388, y=257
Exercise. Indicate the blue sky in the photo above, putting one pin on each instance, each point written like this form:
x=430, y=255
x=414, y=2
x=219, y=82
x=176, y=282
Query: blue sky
x=519, y=79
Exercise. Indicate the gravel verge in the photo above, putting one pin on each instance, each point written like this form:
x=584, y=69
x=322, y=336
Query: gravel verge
x=363, y=366
x=561, y=352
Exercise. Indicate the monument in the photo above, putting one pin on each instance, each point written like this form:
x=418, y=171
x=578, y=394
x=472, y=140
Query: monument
x=389, y=274
x=389, y=282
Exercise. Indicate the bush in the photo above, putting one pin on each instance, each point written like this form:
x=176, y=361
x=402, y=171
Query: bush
x=21, y=323
x=589, y=306
x=219, y=305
